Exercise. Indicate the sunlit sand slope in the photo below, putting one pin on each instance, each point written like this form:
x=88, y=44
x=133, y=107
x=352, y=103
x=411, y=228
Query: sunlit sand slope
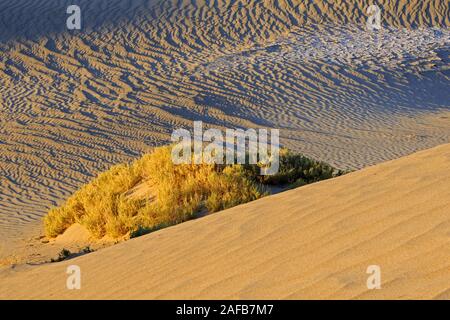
x=73, y=103
x=312, y=242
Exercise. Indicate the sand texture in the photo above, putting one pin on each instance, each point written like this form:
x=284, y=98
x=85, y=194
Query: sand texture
x=72, y=103
x=314, y=242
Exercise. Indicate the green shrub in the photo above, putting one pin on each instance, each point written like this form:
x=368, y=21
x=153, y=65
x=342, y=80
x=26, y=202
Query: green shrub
x=170, y=194
x=294, y=167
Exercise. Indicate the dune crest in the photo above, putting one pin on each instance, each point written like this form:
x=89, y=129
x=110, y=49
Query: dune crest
x=74, y=103
x=311, y=243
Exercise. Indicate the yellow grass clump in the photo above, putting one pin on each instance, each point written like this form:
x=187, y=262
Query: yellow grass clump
x=153, y=192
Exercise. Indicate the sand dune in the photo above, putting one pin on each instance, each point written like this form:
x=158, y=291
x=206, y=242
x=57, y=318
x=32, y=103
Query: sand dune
x=313, y=242
x=73, y=103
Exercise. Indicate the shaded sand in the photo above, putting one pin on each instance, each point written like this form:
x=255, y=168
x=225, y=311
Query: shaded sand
x=74, y=103
x=313, y=242
x=36, y=249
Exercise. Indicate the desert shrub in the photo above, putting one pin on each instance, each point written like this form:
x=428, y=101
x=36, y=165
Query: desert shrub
x=299, y=170
x=63, y=255
x=172, y=193
x=185, y=190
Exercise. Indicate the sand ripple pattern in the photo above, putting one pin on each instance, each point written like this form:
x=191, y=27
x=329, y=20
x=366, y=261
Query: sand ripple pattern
x=74, y=103
x=318, y=245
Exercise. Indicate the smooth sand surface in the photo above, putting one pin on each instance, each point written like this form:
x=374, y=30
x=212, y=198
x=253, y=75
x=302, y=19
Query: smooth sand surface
x=72, y=103
x=310, y=243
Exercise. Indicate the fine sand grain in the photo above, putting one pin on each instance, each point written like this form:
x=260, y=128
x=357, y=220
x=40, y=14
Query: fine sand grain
x=310, y=243
x=74, y=103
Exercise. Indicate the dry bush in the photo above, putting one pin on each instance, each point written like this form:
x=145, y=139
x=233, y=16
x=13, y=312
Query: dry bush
x=176, y=193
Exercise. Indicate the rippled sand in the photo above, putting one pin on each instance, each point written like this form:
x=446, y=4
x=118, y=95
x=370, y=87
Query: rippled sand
x=315, y=242
x=74, y=103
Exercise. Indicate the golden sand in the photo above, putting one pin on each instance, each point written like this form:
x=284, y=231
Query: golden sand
x=74, y=103
x=310, y=243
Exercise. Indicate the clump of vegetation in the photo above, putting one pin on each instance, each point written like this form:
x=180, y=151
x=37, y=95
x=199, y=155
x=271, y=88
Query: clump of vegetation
x=169, y=194
x=297, y=170
x=86, y=250
x=63, y=255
